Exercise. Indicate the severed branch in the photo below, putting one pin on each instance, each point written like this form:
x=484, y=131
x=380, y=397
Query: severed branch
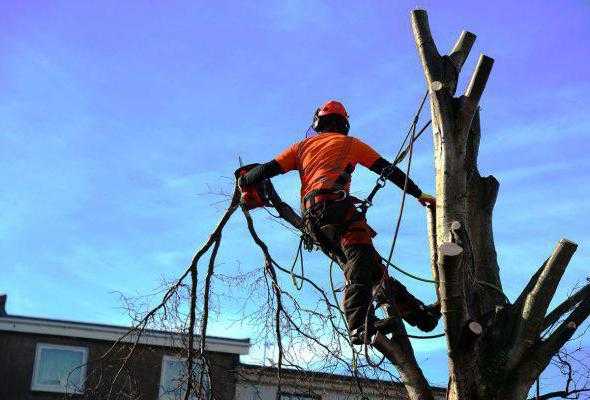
x=479, y=79
x=141, y=324
x=477, y=84
x=429, y=55
x=461, y=49
x=456, y=58
x=531, y=314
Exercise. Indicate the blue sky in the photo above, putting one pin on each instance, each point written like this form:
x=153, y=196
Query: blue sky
x=115, y=119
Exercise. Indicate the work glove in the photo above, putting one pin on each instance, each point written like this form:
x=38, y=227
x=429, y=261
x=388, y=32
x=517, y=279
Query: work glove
x=427, y=200
x=251, y=196
x=240, y=172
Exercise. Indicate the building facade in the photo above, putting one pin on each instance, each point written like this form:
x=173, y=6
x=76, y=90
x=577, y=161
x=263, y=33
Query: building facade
x=43, y=359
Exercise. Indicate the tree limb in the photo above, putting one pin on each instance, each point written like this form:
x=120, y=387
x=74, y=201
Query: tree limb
x=564, y=332
x=431, y=222
x=429, y=56
x=529, y=318
x=541, y=354
x=518, y=304
x=566, y=306
x=396, y=350
x=451, y=294
x=479, y=80
x=480, y=201
x=453, y=63
x=461, y=49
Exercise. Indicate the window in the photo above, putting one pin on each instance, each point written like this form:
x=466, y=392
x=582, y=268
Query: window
x=174, y=379
x=59, y=368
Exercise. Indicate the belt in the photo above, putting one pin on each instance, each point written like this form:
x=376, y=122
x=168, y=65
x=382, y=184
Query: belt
x=321, y=196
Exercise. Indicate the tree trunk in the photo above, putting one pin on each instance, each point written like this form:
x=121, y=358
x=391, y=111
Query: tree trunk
x=495, y=350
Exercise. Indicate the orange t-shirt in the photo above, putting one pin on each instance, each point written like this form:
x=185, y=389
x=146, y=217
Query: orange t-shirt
x=321, y=159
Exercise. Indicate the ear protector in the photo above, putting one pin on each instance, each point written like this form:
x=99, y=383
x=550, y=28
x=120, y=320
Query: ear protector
x=316, y=120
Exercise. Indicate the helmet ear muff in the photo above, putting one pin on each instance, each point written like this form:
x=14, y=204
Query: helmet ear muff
x=331, y=122
x=316, y=120
x=346, y=127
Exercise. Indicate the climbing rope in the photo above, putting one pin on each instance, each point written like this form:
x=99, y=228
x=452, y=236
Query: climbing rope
x=298, y=255
x=416, y=277
x=400, y=155
x=381, y=183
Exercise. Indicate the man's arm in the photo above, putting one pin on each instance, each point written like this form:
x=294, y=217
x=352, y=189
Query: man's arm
x=260, y=173
x=284, y=162
x=372, y=160
x=395, y=175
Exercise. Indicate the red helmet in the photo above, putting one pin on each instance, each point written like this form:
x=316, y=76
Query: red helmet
x=332, y=107
x=329, y=109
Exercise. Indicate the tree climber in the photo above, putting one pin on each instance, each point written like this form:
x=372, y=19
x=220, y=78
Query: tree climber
x=325, y=163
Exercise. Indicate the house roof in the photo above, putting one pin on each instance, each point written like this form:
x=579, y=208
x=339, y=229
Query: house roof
x=290, y=376
x=112, y=333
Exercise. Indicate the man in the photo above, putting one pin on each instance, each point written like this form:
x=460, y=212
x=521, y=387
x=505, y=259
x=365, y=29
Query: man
x=325, y=163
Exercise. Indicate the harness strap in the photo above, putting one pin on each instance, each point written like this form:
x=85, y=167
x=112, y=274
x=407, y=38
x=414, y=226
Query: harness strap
x=311, y=197
x=345, y=176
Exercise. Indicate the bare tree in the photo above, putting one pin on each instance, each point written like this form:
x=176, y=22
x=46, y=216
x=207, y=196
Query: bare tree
x=496, y=349
x=508, y=356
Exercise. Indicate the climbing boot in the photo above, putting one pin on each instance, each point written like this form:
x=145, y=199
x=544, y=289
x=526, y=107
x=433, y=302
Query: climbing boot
x=412, y=310
x=357, y=309
x=424, y=317
x=357, y=335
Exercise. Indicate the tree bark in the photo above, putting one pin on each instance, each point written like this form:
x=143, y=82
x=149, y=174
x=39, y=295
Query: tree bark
x=495, y=348
x=399, y=352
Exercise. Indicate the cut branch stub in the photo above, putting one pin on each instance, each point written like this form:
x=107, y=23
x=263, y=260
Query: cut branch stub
x=479, y=79
x=450, y=256
x=456, y=233
x=461, y=49
x=475, y=89
x=455, y=60
x=531, y=315
x=427, y=50
x=471, y=332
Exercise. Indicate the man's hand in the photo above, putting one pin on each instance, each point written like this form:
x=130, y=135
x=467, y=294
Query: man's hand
x=239, y=183
x=427, y=200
